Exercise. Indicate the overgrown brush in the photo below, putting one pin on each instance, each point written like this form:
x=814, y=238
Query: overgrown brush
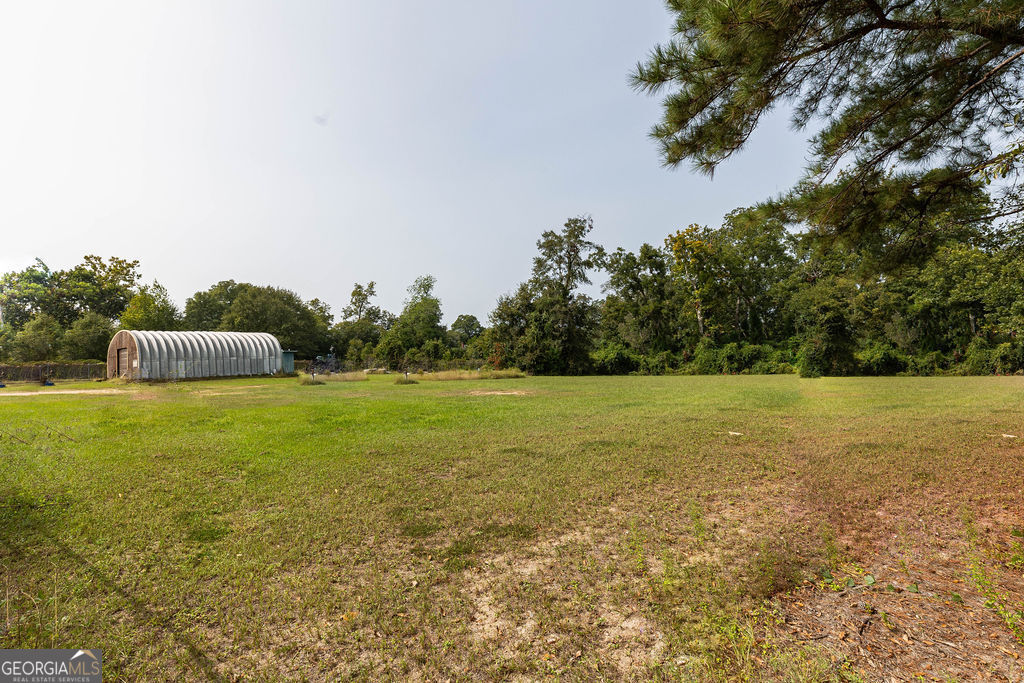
x=309, y=380
x=452, y=375
x=354, y=376
x=402, y=379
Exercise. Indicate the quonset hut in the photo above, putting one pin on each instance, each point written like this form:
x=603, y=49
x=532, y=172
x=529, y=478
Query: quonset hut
x=179, y=355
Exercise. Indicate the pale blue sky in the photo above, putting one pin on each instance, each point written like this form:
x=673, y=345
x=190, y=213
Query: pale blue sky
x=185, y=134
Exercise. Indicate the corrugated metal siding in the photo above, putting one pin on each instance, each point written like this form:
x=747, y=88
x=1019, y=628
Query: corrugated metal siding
x=182, y=355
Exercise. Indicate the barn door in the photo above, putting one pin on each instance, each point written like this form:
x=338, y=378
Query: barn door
x=122, y=361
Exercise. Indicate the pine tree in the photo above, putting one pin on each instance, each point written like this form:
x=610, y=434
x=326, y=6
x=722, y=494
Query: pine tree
x=898, y=84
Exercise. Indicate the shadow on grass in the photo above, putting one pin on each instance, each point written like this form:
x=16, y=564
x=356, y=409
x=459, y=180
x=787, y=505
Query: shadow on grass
x=26, y=519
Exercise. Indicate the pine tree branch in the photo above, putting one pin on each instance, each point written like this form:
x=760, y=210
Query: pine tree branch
x=892, y=147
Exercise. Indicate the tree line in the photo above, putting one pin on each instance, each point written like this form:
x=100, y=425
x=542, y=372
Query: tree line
x=752, y=295
x=48, y=315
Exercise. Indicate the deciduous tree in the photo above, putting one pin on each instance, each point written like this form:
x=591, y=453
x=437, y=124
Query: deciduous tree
x=88, y=338
x=151, y=309
x=38, y=340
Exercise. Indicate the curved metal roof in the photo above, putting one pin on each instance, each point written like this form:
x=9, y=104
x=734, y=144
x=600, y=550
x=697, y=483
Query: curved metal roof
x=174, y=355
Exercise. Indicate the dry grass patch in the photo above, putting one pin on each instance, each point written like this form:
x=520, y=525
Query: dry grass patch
x=305, y=379
x=354, y=376
x=453, y=375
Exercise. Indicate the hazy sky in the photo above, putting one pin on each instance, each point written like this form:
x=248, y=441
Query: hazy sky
x=311, y=145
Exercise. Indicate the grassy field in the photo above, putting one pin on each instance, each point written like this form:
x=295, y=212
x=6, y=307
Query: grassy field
x=693, y=528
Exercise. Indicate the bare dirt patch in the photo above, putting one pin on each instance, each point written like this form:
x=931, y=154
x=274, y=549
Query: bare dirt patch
x=480, y=392
x=489, y=621
x=583, y=626
x=926, y=606
x=941, y=630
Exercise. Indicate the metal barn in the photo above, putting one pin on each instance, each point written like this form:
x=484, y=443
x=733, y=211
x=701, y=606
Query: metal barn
x=136, y=354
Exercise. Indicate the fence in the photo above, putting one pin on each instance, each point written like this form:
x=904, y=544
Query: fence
x=428, y=365
x=36, y=372
x=418, y=366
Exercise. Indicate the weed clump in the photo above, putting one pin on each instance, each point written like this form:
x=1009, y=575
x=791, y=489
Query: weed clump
x=775, y=569
x=309, y=380
x=405, y=380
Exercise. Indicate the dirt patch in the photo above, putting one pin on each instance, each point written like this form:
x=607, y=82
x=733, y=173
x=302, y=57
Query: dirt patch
x=580, y=619
x=631, y=641
x=925, y=614
x=481, y=392
x=45, y=392
x=489, y=621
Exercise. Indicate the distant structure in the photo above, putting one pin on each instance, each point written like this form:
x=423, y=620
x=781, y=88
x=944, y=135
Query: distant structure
x=134, y=354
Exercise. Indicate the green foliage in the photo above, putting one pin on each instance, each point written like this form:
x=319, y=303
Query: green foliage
x=40, y=339
x=979, y=358
x=1008, y=358
x=643, y=301
x=206, y=310
x=359, y=307
x=7, y=334
x=879, y=358
x=547, y=326
x=706, y=358
x=482, y=346
x=416, y=336
x=465, y=329
x=822, y=319
x=243, y=307
x=151, y=309
x=615, y=359
x=933, y=363
x=281, y=313
x=88, y=338
x=102, y=287
x=24, y=294
x=390, y=351
x=355, y=337
x=96, y=285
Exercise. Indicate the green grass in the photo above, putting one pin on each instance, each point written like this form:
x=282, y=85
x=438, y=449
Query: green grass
x=580, y=527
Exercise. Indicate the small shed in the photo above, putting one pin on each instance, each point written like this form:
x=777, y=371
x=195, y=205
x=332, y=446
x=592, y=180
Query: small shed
x=288, y=361
x=135, y=354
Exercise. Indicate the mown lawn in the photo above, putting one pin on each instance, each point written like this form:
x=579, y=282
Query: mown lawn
x=708, y=528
